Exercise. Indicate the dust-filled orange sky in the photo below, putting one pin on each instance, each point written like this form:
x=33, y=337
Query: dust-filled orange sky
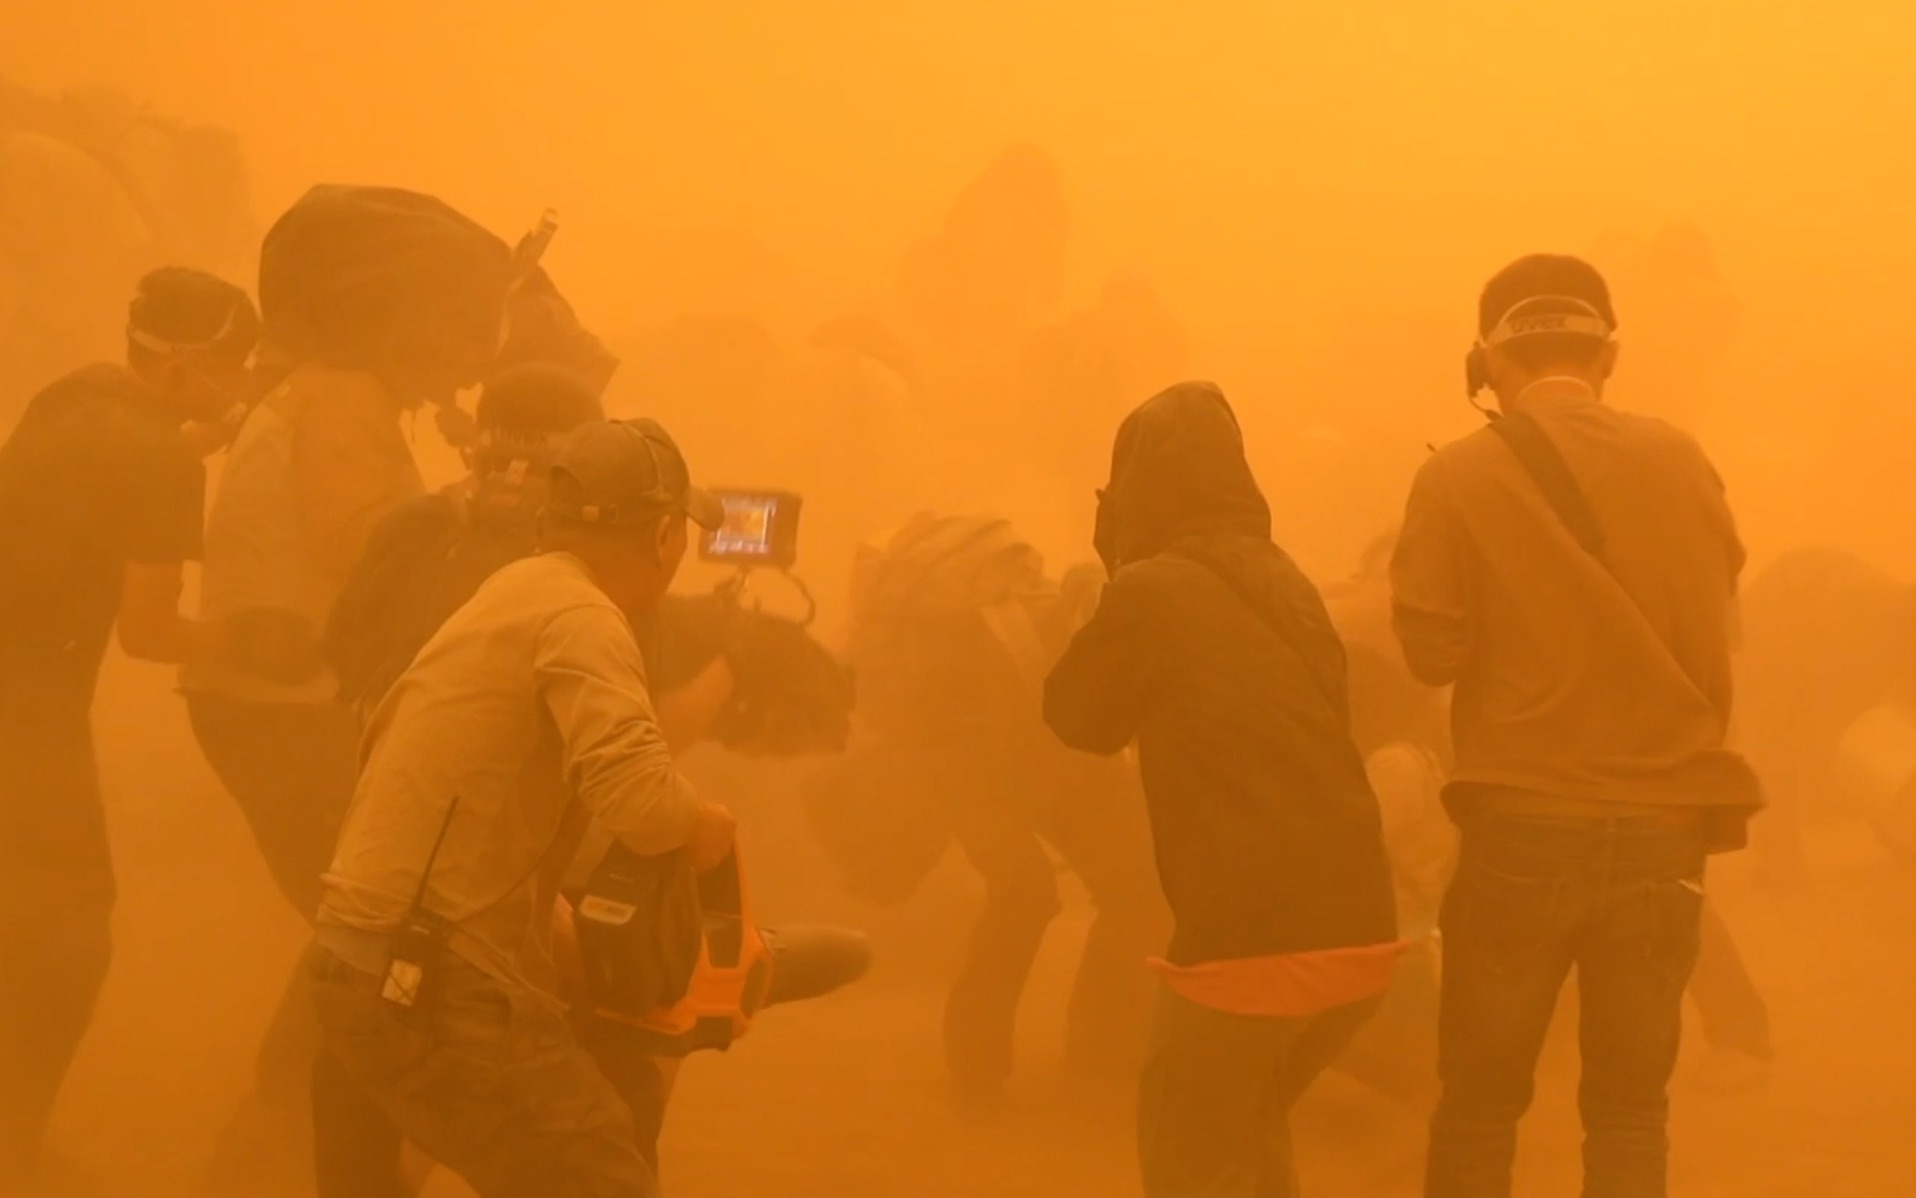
x=1276, y=165
x=1228, y=144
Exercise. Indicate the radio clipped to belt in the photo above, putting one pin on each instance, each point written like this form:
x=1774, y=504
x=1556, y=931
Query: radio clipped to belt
x=669, y=952
x=419, y=946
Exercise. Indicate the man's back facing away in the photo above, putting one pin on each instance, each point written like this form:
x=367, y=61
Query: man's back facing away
x=1603, y=680
x=1572, y=570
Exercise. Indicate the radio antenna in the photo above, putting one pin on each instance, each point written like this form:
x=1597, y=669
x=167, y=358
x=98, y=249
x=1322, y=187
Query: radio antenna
x=445, y=826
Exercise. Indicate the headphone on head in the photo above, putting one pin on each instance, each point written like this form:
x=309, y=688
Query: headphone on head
x=1582, y=321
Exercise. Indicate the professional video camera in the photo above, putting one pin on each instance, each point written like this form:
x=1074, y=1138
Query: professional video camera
x=676, y=955
x=791, y=697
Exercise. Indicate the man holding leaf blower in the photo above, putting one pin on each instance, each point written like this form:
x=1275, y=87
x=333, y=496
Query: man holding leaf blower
x=721, y=672
x=523, y=720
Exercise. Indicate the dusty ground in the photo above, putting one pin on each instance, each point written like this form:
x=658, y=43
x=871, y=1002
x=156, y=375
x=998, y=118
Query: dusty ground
x=843, y=1097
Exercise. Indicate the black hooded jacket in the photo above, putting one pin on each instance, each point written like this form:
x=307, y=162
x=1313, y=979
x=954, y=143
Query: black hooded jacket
x=1214, y=653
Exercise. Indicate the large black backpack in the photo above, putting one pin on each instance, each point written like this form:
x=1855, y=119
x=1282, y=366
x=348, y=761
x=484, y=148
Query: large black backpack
x=422, y=563
x=384, y=280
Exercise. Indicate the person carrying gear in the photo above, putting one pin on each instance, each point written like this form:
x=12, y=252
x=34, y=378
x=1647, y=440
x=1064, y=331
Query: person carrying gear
x=100, y=507
x=953, y=627
x=423, y=563
x=522, y=722
x=427, y=557
x=409, y=311
x=1572, y=570
x=374, y=301
x=1213, y=655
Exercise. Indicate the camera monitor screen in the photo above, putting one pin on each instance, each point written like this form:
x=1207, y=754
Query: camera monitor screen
x=760, y=528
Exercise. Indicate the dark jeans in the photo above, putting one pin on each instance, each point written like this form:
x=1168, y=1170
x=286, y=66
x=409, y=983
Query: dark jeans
x=357, y=1145
x=56, y=901
x=1214, y=1107
x=1617, y=899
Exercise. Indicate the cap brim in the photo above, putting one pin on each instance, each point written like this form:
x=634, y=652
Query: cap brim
x=704, y=509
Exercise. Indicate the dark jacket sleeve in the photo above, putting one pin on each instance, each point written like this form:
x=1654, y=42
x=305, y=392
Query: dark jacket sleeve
x=1095, y=697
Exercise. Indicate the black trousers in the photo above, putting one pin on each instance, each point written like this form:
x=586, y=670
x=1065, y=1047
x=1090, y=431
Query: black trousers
x=56, y=899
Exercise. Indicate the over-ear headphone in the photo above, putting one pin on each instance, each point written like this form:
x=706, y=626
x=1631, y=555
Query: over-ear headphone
x=1476, y=371
x=1584, y=321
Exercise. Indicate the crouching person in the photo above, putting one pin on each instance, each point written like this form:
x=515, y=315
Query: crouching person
x=1215, y=656
x=524, y=720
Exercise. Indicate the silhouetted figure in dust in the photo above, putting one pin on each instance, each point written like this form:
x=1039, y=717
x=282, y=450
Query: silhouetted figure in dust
x=1827, y=636
x=985, y=278
x=954, y=624
x=1087, y=370
x=101, y=499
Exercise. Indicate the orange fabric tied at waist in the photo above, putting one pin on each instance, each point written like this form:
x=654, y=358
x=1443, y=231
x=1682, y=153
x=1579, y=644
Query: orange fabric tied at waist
x=1287, y=985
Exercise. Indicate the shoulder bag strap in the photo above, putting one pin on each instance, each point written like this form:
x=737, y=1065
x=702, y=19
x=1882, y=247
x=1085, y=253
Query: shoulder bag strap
x=1544, y=462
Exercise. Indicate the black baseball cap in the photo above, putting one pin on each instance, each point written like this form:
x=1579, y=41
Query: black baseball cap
x=175, y=308
x=624, y=471
x=1545, y=283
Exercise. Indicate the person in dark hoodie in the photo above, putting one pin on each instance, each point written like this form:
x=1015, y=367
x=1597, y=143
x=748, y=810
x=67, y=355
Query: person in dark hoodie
x=1213, y=653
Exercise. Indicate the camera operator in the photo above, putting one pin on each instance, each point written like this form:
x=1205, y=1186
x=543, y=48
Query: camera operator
x=524, y=719
x=751, y=681
x=424, y=562
x=1572, y=569
x=101, y=500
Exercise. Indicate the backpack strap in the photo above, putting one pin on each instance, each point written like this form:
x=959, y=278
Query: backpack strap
x=1544, y=462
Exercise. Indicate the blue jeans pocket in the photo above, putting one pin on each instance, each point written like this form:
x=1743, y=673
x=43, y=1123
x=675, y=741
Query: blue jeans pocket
x=1674, y=929
x=1499, y=921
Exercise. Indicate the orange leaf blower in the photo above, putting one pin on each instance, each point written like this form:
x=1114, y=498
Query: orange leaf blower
x=667, y=951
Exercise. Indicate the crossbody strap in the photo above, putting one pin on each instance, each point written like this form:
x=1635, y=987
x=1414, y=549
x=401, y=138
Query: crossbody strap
x=1544, y=462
